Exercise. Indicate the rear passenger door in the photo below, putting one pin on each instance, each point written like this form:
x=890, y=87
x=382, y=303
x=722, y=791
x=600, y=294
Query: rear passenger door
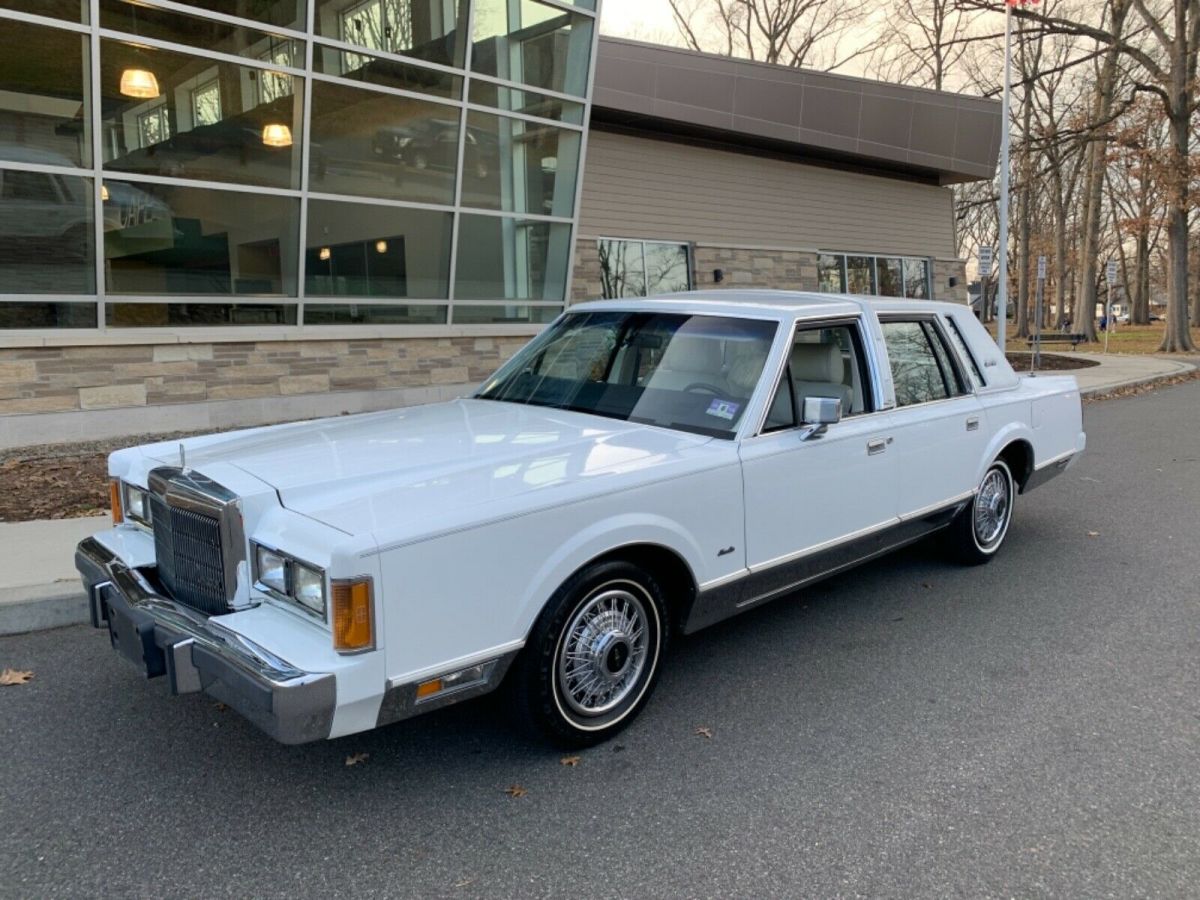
x=806, y=497
x=936, y=425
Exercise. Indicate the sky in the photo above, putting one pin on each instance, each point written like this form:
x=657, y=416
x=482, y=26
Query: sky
x=642, y=19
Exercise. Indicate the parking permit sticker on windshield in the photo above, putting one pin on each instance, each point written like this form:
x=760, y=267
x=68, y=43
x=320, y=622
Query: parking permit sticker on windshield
x=723, y=409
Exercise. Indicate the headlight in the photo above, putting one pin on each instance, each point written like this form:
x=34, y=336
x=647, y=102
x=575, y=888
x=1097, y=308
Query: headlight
x=290, y=579
x=272, y=569
x=137, y=506
x=308, y=587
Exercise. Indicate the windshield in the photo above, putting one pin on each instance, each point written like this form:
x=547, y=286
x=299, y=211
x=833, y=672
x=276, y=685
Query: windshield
x=692, y=373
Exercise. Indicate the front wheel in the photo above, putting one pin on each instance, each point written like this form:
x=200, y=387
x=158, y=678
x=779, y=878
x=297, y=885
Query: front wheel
x=979, y=531
x=593, y=655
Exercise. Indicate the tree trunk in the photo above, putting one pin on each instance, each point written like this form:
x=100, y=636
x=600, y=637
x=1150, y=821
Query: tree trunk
x=1178, y=338
x=1085, y=306
x=1140, y=313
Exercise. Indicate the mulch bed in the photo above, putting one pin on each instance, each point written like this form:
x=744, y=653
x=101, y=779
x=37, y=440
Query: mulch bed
x=61, y=481
x=1051, y=362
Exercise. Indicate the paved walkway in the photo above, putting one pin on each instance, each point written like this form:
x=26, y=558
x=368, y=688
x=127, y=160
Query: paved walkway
x=39, y=587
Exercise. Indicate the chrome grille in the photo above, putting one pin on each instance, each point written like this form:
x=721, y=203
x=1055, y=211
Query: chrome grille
x=189, y=516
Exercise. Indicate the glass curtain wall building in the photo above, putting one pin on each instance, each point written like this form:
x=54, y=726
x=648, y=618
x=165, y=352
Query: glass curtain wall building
x=166, y=163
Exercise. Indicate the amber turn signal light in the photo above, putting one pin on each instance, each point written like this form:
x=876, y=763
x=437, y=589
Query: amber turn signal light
x=353, y=615
x=114, y=501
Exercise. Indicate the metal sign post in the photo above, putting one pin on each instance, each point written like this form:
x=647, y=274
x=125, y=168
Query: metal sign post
x=1110, y=274
x=985, y=273
x=1035, y=360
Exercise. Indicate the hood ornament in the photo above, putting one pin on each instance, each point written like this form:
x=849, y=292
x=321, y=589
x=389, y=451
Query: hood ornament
x=182, y=459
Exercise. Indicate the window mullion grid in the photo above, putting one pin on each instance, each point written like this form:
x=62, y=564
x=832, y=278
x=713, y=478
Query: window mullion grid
x=305, y=153
x=208, y=55
x=49, y=21
x=226, y=18
x=589, y=86
x=95, y=123
x=456, y=221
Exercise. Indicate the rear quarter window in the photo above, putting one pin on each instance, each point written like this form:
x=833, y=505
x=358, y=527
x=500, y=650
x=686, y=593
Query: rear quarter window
x=970, y=366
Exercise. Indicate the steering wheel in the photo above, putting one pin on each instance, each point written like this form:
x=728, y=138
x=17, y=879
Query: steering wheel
x=707, y=388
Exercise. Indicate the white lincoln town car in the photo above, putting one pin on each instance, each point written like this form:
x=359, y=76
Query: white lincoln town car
x=641, y=469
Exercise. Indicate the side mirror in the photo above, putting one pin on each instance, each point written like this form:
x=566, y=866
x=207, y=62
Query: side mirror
x=818, y=414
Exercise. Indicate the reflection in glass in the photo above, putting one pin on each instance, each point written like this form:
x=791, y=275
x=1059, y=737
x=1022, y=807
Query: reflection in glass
x=519, y=166
x=915, y=371
x=499, y=314
x=204, y=34
x=71, y=10
x=512, y=259
x=667, y=268
x=46, y=243
x=283, y=13
x=16, y=314
x=531, y=103
x=622, y=269
x=212, y=315
x=365, y=250
x=387, y=72
x=891, y=276
x=860, y=274
x=829, y=273
x=532, y=43
x=424, y=29
x=163, y=239
x=916, y=279
x=373, y=314
x=381, y=145
x=44, y=109
x=207, y=121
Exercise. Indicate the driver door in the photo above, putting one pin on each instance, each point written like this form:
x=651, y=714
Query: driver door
x=812, y=504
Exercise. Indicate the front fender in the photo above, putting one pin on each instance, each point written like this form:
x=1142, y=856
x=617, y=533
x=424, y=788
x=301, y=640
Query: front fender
x=600, y=539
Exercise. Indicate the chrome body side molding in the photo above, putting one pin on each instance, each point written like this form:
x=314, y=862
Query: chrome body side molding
x=721, y=599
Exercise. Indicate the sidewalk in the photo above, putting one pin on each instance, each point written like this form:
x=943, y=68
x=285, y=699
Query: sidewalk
x=39, y=587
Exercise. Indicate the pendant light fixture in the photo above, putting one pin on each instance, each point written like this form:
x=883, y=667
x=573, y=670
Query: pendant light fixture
x=381, y=246
x=275, y=134
x=141, y=84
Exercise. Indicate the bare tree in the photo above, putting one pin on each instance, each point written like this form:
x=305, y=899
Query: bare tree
x=784, y=32
x=925, y=40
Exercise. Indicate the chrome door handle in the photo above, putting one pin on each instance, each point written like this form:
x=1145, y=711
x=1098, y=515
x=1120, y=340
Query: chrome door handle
x=973, y=423
x=878, y=445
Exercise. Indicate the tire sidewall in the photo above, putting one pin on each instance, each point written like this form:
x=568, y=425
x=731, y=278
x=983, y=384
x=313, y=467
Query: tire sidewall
x=541, y=688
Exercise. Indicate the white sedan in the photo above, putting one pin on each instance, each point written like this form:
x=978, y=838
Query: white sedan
x=640, y=470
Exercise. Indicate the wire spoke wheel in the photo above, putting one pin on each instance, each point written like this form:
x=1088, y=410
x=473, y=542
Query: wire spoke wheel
x=604, y=652
x=993, y=504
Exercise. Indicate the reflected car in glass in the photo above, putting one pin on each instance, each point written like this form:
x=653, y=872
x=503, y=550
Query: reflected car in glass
x=640, y=470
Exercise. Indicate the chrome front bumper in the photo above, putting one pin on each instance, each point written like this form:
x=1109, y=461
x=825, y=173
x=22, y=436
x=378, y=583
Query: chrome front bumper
x=162, y=637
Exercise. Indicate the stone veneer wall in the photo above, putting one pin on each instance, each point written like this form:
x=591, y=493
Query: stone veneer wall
x=57, y=379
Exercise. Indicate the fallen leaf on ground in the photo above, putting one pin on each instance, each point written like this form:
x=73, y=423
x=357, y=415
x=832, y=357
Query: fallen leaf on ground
x=14, y=676
x=464, y=883
x=355, y=758
x=220, y=707
x=1093, y=534
x=704, y=731
x=569, y=761
x=515, y=790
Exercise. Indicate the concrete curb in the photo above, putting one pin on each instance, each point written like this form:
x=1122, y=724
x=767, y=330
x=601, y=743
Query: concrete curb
x=41, y=607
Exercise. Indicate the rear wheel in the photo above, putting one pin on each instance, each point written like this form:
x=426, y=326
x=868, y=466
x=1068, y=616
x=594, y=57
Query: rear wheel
x=593, y=656
x=979, y=531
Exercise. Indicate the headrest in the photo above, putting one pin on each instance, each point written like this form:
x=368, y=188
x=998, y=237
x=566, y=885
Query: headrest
x=817, y=362
x=693, y=353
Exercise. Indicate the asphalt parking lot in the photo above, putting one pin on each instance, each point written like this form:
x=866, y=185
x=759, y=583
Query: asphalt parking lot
x=1029, y=728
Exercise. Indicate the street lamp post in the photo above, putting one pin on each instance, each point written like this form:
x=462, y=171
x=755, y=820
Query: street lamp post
x=1002, y=274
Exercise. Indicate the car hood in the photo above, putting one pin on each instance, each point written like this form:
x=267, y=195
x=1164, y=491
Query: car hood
x=412, y=471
